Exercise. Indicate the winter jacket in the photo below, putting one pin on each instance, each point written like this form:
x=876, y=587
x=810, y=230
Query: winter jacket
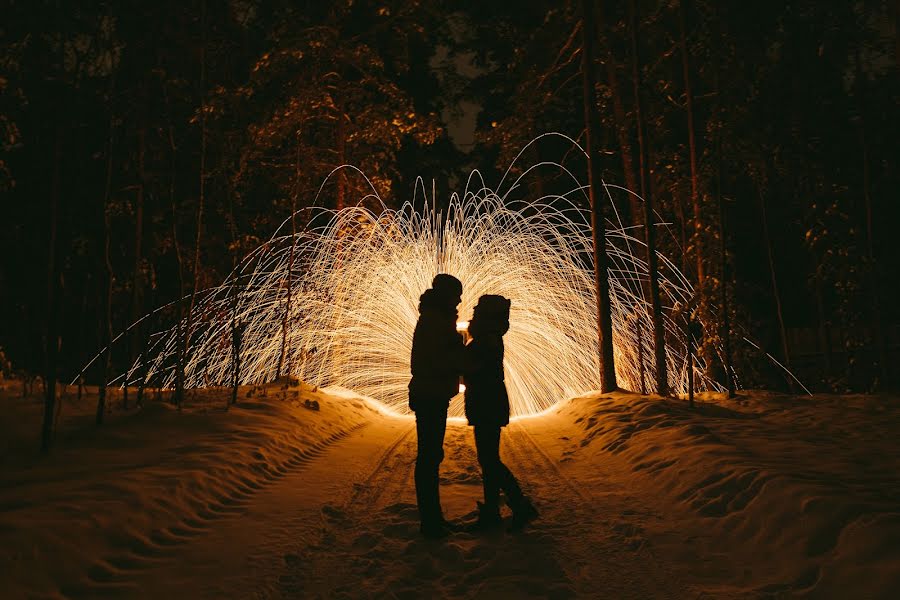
x=436, y=361
x=487, y=403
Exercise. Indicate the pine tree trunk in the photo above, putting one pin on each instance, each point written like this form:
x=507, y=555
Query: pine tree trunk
x=692, y=147
x=287, y=307
x=106, y=324
x=51, y=334
x=136, y=291
x=639, y=337
x=723, y=282
x=107, y=305
x=82, y=322
x=659, y=339
x=342, y=159
x=179, y=329
x=623, y=131
x=723, y=291
x=235, y=301
x=104, y=372
x=778, y=312
x=236, y=331
x=882, y=370
x=689, y=336
x=604, y=309
x=201, y=197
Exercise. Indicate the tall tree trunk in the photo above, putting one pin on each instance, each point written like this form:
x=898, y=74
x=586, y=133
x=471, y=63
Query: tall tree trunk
x=601, y=276
x=623, y=130
x=106, y=304
x=236, y=332
x=287, y=307
x=778, y=312
x=689, y=336
x=723, y=289
x=236, y=329
x=179, y=328
x=639, y=337
x=725, y=330
x=82, y=320
x=880, y=342
x=51, y=333
x=137, y=284
x=692, y=147
x=103, y=336
x=342, y=158
x=659, y=335
x=202, y=182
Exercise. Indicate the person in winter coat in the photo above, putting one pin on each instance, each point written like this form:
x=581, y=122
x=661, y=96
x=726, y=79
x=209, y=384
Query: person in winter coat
x=436, y=365
x=487, y=410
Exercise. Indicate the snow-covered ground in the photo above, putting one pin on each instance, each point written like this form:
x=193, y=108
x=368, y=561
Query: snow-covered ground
x=765, y=496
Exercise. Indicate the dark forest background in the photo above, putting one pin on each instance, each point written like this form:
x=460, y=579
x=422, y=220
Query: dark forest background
x=145, y=147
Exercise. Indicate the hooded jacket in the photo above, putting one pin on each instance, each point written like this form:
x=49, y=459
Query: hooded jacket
x=487, y=401
x=436, y=361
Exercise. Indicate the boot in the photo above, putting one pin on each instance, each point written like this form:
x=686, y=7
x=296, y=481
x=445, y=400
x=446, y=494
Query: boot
x=523, y=513
x=434, y=530
x=488, y=518
x=451, y=526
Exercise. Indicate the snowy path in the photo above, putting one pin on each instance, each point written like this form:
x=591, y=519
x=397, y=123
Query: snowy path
x=345, y=525
x=245, y=555
x=596, y=527
x=760, y=497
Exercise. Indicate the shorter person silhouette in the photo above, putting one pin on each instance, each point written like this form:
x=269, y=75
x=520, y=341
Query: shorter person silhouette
x=487, y=410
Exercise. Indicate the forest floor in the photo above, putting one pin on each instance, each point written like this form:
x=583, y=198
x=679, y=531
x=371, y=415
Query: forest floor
x=764, y=496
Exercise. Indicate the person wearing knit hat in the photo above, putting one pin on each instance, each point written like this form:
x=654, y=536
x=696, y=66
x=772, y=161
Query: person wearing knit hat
x=487, y=410
x=436, y=365
x=447, y=286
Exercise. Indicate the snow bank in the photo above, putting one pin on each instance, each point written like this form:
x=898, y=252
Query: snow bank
x=764, y=496
x=146, y=480
x=800, y=496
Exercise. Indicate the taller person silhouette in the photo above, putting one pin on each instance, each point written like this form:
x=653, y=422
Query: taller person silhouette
x=436, y=366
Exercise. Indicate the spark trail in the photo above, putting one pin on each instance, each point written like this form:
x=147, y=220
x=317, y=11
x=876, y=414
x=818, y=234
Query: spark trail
x=356, y=279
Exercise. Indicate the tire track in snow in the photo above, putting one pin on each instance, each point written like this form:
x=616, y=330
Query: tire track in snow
x=664, y=583
x=112, y=576
x=333, y=563
x=372, y=546
x=385, y=472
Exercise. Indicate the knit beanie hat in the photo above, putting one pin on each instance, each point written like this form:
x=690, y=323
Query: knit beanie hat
x=491, y=315
x=447, y=285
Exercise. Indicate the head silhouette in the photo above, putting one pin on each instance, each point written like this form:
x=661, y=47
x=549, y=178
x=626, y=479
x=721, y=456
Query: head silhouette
x=490, y=317
x=447, y=287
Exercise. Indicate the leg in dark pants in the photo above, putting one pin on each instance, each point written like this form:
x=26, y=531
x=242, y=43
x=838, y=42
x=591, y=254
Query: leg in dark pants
x=431, y=424
x=494, y=473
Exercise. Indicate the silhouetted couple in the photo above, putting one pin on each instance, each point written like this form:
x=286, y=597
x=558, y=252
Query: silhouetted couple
x=439, y=358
